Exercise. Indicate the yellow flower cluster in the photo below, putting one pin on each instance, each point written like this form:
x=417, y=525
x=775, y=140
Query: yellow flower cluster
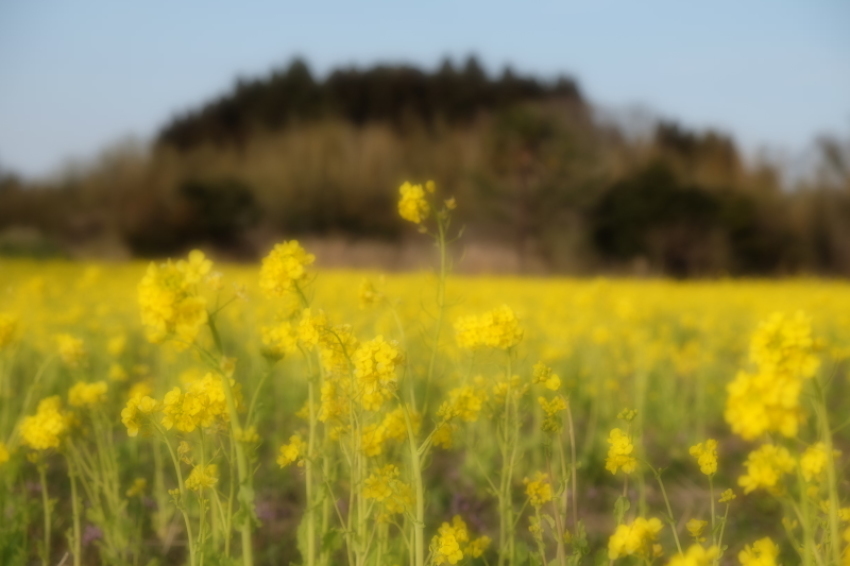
x=71, y=349
x=696, y=527
x=45, y=428
x=84, y=394
x=783, y=351
x=498, y=328
x=203, y=405
x=538, y=490
x=452, y=542
x=706, y=455
x=291, y=452
x=464, y=403
x=813, y=461
x=280, y=340
x=385, y=487
x=543, y=374
x=284, y=267
x=138, y=405
x=170, y=300
x=635, y=539
x=375, y=364
x=765, y=468
x=392, y=427
x=202, y=477
x=412, y=205
x=763, y=552
x=696, y=555
x=620, y=453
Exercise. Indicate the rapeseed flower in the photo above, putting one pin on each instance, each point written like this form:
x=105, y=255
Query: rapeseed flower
x=634, y=539
x=445, y=546
x=538, y=490
x=294, y=451
x=706, y=456
x=763, y=552
x=498, y=328
x=84, y=394
x=765, y=468
x=464, y=403
x=202, y=477
x=696, y=555
x=813, y=461
x=46, y=427
x=412, y=205
x=138, y=406
x=284, y=267
x=71, y=349
x=170, y=300
x=375, y=364
x=620, y=453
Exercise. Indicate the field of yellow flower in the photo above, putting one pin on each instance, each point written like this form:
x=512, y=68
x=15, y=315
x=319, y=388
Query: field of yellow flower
x=190, y=413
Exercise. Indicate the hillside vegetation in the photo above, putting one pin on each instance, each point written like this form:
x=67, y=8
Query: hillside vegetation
x=540, y=181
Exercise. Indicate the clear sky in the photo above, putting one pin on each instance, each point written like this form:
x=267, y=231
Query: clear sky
x=76, y=75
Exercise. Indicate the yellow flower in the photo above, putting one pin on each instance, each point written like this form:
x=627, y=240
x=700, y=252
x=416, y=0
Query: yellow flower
x=170, y=303
x=445, y=546
x=385, y=487
x=727, y=496
x=284, y=267
x=291, y=452
x=765, y=468
x=369, y=296
x=543, y=374
x=636, y=538
x=538, y=490
x=4, y=453
x=813, y=461
x=498, y=328
x=706, y=455
x=768, y=400
x=477, y=546
x=620, y=453
x=375, y=364
x=464, y=403
x=84, y=394
x=763, y=552
x=696, y=555
x=45, y=429
x=280, y=340
x=412, y=206
x=71, y=349
x=202, y=477
x=696, y=527
x=137, y=407
x=203, y=405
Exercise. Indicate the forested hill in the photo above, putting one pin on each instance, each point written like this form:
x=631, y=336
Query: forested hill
x=398, y=95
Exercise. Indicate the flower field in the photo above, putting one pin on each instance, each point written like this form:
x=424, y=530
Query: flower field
x=191, y=413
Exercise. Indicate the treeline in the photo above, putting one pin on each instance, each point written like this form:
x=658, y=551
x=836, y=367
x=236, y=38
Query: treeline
x=397, y=95
x=540, y=183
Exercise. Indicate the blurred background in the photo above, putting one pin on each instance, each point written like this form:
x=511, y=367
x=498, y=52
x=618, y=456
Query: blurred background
x=626, y=138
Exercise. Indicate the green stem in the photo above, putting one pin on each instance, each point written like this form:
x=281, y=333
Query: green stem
x=669, y=509
x=45, y=501
x=75, y=511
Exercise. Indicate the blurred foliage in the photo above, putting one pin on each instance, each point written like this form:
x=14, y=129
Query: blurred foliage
x=534, y=173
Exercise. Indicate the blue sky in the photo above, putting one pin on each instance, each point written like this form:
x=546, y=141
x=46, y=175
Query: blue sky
x=78, y=75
